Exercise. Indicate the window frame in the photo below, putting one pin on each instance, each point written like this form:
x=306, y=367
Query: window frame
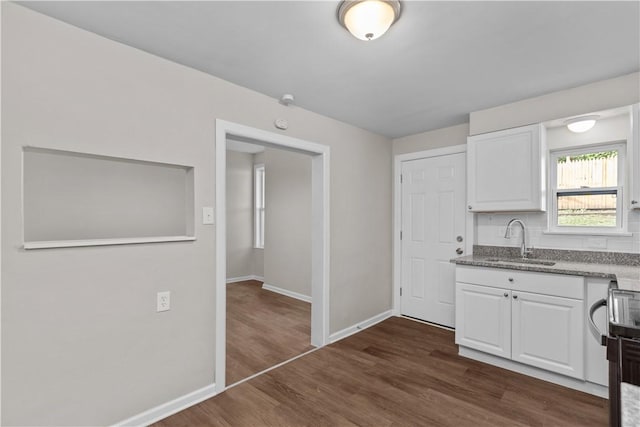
x=553, y=227
x=259, y=180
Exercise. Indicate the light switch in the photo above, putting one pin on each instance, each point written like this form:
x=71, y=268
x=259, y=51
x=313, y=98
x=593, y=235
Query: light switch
x=207, y=215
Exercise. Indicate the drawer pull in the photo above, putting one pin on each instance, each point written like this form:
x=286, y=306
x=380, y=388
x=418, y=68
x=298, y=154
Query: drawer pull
x=515, y=297
x=511, y=279
x=506, y=295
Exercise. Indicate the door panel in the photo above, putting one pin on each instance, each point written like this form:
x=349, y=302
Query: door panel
x=446, y=276
x=483, y=319
x=433, y=216
x=417, y=278
x=548, y=332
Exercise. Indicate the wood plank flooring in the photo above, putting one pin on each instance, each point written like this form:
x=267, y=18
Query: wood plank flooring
x=396, y=373
x=263, y=329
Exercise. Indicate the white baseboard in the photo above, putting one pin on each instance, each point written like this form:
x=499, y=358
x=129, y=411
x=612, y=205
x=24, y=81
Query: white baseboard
x=245, y=278
x=532, y=371
x=337, y=336
x=286, y=292
x=169, y=408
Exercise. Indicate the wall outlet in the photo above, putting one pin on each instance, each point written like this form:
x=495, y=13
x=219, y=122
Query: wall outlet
x=597, y=243
x=163, y=301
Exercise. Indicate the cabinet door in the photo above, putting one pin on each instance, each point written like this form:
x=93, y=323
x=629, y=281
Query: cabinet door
x=505, y=170
x=634, y=155
x=483, y=319
x=548, y=332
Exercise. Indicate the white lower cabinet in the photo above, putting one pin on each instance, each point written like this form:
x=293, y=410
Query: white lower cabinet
x=547, y=332
x=483, y=319
x=533, y=328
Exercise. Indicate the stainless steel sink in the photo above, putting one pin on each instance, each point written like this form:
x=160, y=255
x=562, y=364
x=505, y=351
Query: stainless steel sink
x=521, y=261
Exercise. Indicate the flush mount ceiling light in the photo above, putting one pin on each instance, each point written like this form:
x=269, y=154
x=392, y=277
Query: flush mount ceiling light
x=368, y=19
x=582, y=123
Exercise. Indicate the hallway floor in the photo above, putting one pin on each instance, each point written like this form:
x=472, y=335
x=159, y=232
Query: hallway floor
x=264, y=328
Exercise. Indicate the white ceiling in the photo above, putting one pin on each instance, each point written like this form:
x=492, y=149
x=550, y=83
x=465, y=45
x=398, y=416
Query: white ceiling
x=439, y=62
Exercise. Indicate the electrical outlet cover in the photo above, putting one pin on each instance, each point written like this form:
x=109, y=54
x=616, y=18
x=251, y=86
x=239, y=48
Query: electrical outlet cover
x=163, y=301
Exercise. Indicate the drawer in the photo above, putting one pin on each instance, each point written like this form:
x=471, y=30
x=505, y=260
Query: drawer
x=539, y=283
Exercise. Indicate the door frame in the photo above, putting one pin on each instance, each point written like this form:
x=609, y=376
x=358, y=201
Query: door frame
x=397, y=213
x=320, y=249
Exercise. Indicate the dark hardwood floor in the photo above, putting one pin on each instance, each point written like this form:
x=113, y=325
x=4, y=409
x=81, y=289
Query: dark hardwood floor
x=263, y=329
x=396, y=373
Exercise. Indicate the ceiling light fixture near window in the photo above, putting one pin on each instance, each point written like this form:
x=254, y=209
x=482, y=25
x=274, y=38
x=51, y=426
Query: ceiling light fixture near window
x=582, y=123
x=368, y=19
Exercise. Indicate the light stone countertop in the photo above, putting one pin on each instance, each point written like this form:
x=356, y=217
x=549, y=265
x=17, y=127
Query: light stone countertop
x=627, y=276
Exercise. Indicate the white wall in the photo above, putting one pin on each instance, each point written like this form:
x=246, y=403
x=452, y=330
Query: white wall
x=444, y=137
x=239, y=214
x=598, y=96
x=611, y=129
x=287, y=248
x=81, y=341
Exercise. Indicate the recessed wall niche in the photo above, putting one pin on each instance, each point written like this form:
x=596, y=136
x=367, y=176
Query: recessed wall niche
x=76, y=199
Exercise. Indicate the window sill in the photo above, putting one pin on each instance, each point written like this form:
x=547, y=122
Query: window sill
x=589, y=233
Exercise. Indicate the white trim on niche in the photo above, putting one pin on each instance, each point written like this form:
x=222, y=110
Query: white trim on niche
x=286, y=292
x=245, y=278
x=105, y=242
x=358, y=327
x=169, y=408
x=320, y=233
x=397, y=214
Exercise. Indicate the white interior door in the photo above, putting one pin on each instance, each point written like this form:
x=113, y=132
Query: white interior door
x=433, y=227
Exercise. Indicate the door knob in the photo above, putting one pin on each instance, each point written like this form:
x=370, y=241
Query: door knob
x=459, y=238
x=459, y=251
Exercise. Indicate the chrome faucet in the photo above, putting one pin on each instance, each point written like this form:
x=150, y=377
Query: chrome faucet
x=524, y=252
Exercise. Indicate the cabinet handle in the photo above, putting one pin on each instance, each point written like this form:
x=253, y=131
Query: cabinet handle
x=515, y=297
x=506, y=295
x=511, y=279
x=634, y=202
x=470, y=207
x=459, y=251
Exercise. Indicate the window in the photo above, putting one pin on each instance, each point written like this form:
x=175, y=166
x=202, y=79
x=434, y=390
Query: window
x=258, y=206
x=586, y=189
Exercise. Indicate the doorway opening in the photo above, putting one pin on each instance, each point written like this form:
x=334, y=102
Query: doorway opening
x=319, y=220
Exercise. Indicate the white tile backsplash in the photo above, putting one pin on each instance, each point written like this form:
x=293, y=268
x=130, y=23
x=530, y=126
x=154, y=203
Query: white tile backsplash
x=490, y=230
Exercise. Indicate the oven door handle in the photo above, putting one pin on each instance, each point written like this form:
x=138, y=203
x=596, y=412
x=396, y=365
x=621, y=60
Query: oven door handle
x=602, y=339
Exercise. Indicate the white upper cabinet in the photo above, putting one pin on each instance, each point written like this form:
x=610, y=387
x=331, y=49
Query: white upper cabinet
x=506, y=170
x=634, y=151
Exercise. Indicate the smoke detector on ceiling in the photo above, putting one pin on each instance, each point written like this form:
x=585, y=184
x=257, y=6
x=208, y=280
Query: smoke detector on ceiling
x=287, y=99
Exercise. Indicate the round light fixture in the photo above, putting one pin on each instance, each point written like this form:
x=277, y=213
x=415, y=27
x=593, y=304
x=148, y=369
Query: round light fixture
x=582, y=123
x=368, y=19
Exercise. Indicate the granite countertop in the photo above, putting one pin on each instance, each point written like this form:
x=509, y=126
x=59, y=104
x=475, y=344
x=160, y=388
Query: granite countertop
x=576, y=263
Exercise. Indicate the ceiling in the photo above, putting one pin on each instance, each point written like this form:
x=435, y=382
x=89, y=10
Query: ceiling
x=439, y=62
